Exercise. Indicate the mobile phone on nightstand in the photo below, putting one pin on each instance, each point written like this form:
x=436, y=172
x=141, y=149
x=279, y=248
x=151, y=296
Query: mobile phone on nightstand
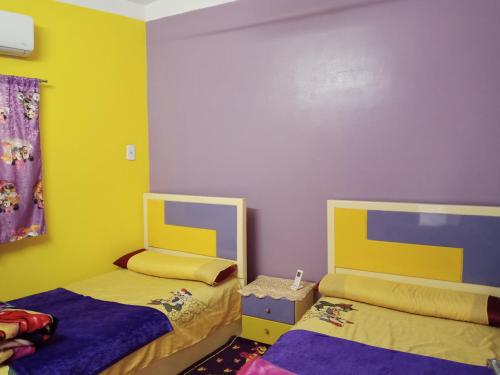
x=298, y=278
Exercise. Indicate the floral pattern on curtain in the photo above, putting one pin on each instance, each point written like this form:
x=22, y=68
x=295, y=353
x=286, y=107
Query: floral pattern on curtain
x=21, y=189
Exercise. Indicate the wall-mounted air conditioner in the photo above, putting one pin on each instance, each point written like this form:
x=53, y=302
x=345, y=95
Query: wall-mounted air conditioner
x=17, y=33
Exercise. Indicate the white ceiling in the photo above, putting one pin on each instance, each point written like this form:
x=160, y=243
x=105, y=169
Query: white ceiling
x=144, y=2
x=146, y=10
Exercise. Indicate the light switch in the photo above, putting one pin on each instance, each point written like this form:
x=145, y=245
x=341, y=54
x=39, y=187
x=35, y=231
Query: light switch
x=130, y=152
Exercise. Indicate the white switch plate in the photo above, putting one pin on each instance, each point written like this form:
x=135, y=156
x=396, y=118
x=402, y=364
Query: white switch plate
x=130, y=152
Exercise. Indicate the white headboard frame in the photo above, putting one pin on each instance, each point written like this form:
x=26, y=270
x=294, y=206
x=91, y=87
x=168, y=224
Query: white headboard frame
x=407, y=207
x=241, y=228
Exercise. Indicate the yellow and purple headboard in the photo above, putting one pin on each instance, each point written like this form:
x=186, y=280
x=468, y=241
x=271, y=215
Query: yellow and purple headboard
x=445, y=246
x=197, y=226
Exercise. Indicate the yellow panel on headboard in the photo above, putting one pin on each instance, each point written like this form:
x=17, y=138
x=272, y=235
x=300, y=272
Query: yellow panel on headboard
x=199, y=241
x=354, y=251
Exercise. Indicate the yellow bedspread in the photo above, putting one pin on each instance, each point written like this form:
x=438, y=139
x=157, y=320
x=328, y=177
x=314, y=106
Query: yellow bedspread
x=377, y=326
x=195, y=310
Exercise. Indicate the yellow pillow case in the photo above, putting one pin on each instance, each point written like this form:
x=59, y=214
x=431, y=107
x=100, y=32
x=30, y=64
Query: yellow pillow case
x=415, y=299
x=209, y=270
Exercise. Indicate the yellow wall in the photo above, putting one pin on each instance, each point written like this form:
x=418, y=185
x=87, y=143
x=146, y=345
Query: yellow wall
x=94, y=104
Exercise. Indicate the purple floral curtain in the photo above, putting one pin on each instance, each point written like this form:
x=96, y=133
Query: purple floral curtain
x=21, y=199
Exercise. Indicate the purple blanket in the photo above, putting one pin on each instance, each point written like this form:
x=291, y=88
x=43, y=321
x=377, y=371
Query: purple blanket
x=91, y=334
x=305, y=352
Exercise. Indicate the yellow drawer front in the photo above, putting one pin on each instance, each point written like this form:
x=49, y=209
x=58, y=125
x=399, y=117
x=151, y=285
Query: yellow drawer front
x=266, y=331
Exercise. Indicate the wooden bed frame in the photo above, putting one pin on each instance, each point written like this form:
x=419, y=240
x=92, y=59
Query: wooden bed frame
x=175, y=363
x=440, y=246
x=182, y=359
x=241, y=227
x=423, y=261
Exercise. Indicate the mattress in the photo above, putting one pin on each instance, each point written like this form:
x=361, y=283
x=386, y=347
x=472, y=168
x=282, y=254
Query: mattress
x=452, y=340
x=349, y=337
x=195, y=310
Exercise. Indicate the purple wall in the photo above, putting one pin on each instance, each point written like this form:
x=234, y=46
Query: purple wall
x=291, y=102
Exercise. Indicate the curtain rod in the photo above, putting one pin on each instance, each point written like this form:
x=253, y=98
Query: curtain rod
x=38, y=79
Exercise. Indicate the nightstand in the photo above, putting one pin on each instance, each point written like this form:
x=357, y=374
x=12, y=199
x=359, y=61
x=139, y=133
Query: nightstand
x=270, y=307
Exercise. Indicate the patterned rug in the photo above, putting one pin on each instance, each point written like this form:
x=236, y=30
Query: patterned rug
x=228, y=359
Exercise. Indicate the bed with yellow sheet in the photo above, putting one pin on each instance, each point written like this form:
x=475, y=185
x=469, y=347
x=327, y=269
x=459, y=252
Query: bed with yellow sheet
x=187, y=277
x=195, y=310
x=206, y=309
x=412, y=289
x=404, y=332
x=380, y=336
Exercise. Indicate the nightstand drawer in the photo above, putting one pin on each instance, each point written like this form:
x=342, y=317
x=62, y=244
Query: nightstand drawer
x=279, y=310
x=262, y=330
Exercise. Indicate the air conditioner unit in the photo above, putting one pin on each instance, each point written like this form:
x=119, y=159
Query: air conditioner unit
x=17, y=33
